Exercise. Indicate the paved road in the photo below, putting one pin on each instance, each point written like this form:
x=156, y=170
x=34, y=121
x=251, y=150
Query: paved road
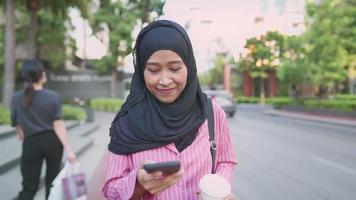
x=284, y=159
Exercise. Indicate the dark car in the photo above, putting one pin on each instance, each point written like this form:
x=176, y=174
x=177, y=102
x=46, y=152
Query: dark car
x=224, y=99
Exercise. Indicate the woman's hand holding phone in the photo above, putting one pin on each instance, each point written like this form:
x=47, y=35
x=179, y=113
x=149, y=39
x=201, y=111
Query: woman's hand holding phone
x=156, y=181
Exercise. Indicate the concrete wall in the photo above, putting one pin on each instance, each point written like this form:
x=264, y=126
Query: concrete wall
x=82, y=84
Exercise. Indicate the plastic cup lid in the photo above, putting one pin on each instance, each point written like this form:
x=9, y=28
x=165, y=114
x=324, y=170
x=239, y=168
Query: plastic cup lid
x=214, y=185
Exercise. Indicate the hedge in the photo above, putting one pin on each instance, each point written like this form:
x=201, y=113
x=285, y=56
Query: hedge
x=73, y=113
x=272, y=100
x=342, y=105
x=339, y=102
x=345, y=97
x=69, y=113
x=106, y=104
x=243, y=99
x=4, y=115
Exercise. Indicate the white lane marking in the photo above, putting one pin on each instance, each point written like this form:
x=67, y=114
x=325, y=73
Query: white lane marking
x=333, y=164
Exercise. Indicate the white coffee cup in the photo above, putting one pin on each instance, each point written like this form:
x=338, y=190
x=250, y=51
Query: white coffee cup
x=213, y=187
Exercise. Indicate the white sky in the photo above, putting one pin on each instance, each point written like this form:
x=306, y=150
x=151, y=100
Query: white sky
x=229, y=21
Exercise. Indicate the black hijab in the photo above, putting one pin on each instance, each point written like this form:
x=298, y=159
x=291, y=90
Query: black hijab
x=145, y=123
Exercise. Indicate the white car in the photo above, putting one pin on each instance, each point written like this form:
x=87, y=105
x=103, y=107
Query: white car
x=224, y=99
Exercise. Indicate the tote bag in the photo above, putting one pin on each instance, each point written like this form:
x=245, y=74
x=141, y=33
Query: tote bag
x=69, y=184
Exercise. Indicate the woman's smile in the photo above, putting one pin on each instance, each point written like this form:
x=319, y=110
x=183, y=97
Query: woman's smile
x=166, y=91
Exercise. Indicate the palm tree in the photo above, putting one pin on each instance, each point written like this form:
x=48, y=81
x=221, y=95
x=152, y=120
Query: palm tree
x=9, y=82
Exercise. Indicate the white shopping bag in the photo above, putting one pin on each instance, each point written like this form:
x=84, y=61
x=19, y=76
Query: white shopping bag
x=69, y=184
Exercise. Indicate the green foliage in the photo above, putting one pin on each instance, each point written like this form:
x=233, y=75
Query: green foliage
x=320, y=57
x=278, y=102
x=51, y=29
x=270, y=100
x=4, y=115
x=214, y=76
x=347, y=97
x=294, y=69
x=347, y=103
x=217, y=71
x=73, y=113
x=263, y=54
x=331, y=104
x=106, y=104
x=205, y=79
x=145, y=7
x=243, y=99
x=69, y=113
x=2, y=50
x=51, y=36
x=331, y=37
x=58, y=7
x=120, y=19
x=104, y=65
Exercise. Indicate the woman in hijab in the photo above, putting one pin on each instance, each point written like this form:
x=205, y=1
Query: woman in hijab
x=165, y=119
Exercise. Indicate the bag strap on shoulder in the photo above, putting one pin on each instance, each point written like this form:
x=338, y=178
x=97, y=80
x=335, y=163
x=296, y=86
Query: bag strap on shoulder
x=211, y=133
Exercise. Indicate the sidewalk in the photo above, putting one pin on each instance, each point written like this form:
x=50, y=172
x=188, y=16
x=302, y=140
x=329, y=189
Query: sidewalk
x=337, y=120
x=93, y=162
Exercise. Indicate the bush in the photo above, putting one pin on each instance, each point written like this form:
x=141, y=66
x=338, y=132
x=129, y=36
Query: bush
x=278, y=102
x=340, y=102
x=275, y=101
x=73, y=113
x=345, y=97
x=106, y=104
x=342, y=105
x=69, y=113
x=243, y=99
x=4, y=115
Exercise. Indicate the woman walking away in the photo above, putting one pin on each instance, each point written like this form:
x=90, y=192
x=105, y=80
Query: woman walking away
x=37, y=115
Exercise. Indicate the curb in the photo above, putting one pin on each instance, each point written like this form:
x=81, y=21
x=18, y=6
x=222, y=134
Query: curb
x=329, y=120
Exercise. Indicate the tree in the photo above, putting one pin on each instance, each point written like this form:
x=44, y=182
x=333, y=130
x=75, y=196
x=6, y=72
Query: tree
x=58, y=7
x=119, y=19
x=51, y=36
x=263, y=55
x=294, y=68
x=217, y=71
x=331, y=36
x=146, y=7
x=9, y=83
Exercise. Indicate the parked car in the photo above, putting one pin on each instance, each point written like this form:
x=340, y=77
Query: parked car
x=224, y=99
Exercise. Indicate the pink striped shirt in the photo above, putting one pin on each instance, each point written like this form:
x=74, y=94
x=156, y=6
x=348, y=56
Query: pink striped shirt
x=195, y=161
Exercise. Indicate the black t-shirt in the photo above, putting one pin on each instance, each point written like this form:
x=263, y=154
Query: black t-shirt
x=44, y=109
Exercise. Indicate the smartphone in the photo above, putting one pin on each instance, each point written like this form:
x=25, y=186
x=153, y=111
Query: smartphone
x=166, y=168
